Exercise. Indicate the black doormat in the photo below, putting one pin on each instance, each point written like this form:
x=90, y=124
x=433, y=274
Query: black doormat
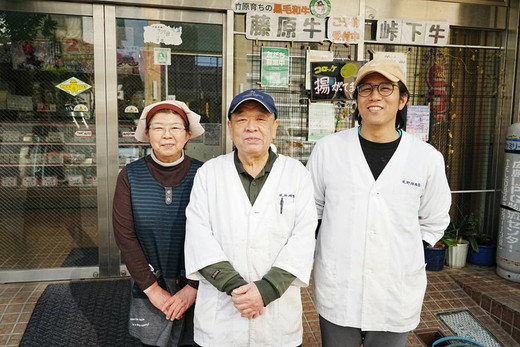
x=82, y=256
x=83, y=313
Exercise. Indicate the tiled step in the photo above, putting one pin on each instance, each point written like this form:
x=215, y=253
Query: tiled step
x=449, y=290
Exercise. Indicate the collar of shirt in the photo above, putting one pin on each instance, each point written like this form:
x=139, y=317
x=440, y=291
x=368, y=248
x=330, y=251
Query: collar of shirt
x=267, y=168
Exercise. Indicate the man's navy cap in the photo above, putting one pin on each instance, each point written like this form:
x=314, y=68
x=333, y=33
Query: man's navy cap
x=253, y=94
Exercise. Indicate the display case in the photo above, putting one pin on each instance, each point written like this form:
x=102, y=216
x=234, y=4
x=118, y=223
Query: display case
x=47, y=154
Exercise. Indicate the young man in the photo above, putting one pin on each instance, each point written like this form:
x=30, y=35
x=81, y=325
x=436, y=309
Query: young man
x=250, y=235
x=379, y=192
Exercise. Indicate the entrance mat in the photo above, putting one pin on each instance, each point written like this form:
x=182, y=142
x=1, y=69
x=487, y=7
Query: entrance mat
x=82, y=313
x=462, y=323
x=82, y=256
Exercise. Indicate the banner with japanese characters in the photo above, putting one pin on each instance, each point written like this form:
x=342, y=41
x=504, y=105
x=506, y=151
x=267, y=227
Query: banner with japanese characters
x=412, y=32
x=275, y=67
x=344, y=29
x=333, y=80
x=274, y=27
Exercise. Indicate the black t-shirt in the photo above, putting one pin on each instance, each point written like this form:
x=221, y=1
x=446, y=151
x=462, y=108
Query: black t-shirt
x=378, y=154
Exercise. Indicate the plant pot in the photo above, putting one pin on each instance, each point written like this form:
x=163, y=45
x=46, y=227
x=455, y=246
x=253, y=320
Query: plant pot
x=456, y=256
x=434, y=258
x=486, y=256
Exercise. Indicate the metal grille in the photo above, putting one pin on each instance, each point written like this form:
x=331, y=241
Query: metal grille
x=461, y=86
x=464, y=324
x=292, y=102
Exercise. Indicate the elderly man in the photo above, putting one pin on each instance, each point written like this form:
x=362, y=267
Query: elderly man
x=379, y=192
x=250, y=235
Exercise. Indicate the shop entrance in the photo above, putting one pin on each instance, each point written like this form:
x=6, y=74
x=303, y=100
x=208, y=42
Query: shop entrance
x=73, y=81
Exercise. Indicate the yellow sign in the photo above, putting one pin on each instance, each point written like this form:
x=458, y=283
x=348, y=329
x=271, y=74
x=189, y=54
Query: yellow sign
x=73, y=86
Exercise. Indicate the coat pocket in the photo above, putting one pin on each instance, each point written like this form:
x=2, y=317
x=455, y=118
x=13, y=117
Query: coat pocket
x=413, y=288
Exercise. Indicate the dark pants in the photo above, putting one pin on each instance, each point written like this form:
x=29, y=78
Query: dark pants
x=333, y=335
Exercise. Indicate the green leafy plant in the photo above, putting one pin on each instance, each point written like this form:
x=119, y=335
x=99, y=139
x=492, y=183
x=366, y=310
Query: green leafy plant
x=463, y=228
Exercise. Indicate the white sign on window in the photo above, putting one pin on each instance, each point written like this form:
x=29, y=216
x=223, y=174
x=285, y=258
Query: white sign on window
x=413, y=32
x=273, y=27
x=162, y=56
x=344, y=29
x=161, y=33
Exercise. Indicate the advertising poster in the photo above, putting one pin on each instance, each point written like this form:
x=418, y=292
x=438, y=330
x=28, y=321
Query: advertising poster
x=333, y=80
x=321, y=120
x=418, y=121
x=275, y=67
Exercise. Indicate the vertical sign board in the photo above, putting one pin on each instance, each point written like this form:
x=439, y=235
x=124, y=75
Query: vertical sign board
x=275, y=67
x=333, y=80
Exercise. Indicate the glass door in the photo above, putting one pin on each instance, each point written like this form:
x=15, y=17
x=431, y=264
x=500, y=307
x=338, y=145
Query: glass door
x=48, y=166
x=163, y=55
x=169, y=60
x=74, y=77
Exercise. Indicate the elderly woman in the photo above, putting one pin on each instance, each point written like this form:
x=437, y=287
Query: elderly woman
x=149, y=225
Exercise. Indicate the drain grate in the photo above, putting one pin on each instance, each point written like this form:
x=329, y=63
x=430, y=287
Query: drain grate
x=462, y=323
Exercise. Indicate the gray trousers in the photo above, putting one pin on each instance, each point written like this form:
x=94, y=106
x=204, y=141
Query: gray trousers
x=333, y=335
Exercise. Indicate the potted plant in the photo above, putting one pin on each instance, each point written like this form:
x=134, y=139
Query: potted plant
x=435, y=255
x=463, y=233
x=485, y=251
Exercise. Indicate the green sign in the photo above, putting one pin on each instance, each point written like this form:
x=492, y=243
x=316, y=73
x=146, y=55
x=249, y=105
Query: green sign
x=275, y=67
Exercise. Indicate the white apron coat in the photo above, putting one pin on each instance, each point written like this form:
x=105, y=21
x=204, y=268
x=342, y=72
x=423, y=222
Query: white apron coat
x=223, y=226
x=369, y=269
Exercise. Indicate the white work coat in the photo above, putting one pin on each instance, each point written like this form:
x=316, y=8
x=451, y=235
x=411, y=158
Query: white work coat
x=278, y=230
x=369, y=269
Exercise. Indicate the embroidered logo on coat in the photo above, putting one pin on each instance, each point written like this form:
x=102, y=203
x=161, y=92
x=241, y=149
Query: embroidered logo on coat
x=410, y=183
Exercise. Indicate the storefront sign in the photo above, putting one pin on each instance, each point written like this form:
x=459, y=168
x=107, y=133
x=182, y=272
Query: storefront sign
x=344, y=29
x=73, y=86
x=273, y=27
x=265, y=7
x=275, y=67
x=161, y=33
x=412, y=32
x=333, y=80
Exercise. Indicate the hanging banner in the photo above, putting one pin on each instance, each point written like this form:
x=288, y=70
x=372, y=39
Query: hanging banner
x=344, y=29
x=266, y=7
x=274, y=27
x=333, y=80
x=412, y=32
x=275, y=67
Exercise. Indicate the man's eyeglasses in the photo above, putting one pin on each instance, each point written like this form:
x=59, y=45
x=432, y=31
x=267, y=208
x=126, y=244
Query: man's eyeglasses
x=384, y=89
